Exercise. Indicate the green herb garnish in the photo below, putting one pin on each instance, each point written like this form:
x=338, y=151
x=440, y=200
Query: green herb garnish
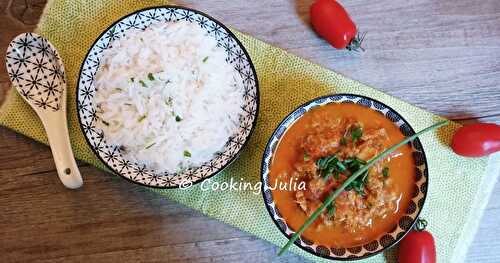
x=341, y=167
x=331, y=210
x=131, y=79
x=358, y=186
x=149, y=146
x=141, y=118
x=354, y=164
x=364, y=178
x=151, y=77
x=143, y=83
x=128, y=104
x=105, y=122
x=330, y=165
x=349, y=180
x=205, y=59
x=177, y=118
x=343, y=141
x=356, y=134
x=187, y=154
x=307, y=157
x=385, y=171
x=168, y=102
x=118, y=89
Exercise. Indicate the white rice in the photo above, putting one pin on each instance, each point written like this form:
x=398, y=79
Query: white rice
x=167, y=96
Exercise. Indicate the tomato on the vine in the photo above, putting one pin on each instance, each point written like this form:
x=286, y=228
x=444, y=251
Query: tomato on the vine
x=332, y=22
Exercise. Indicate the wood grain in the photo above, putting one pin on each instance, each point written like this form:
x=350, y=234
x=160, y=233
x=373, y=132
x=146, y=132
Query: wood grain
x=443, y=56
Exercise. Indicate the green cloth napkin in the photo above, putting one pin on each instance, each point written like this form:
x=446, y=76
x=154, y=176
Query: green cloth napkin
x=458, y=191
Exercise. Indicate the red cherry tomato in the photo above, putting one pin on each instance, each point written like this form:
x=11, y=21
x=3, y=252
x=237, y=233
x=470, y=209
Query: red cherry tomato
x=417, y=246
x=476, y=140
x=332, y=22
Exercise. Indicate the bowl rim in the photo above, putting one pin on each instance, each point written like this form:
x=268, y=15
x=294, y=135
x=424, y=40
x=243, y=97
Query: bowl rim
x=281, y=124
x=230, y=33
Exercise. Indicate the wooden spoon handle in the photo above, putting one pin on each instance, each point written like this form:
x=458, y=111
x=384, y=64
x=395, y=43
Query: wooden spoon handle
x=56, y=128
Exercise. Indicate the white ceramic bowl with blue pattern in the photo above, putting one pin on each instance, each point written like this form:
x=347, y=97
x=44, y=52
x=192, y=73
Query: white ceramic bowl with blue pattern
x=386, y=240
x=111, y=155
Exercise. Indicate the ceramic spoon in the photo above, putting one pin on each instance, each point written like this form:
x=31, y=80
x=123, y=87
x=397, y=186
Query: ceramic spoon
x=37, y=72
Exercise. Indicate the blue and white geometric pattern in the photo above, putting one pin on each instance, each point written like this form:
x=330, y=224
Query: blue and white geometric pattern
x=35, y=68
x=110, y=155
x=386, y=240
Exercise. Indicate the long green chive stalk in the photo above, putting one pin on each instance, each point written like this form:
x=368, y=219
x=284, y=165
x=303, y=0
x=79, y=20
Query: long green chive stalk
x=353, y=177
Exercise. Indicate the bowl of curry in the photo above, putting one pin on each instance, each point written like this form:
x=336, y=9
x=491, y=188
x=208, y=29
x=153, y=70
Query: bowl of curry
x=316, y=148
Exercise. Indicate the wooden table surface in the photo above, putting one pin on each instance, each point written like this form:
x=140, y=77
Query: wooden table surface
x=443, y=56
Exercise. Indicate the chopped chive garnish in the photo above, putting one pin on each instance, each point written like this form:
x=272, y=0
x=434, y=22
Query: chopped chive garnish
x=151, y=77
x=187, y=154
x=128, y=104
x=364, y=178
x=385, y=171
x=118, y=89
x=142, y=83
x=149, y=146
x=336, y=175
x=331, y=165
x=141, y=118
x=358, y=186
x=331, y=210
x=173, y=113
x=356, y=134
x=341, y=166
x=105, y=122
x=132, y=79
x=205, y=59
x=177, y=118
x=307, y=157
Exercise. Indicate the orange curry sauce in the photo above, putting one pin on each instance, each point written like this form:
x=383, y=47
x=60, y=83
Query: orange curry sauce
x=289, y=152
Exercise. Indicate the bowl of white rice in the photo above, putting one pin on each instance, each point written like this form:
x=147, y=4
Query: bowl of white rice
x=167, y=97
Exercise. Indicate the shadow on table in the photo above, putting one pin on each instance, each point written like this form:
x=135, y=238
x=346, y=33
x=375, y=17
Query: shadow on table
x=302, y=10
x=391, y=254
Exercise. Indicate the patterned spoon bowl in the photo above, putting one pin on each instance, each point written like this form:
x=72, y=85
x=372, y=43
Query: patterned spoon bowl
x=37, y=72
